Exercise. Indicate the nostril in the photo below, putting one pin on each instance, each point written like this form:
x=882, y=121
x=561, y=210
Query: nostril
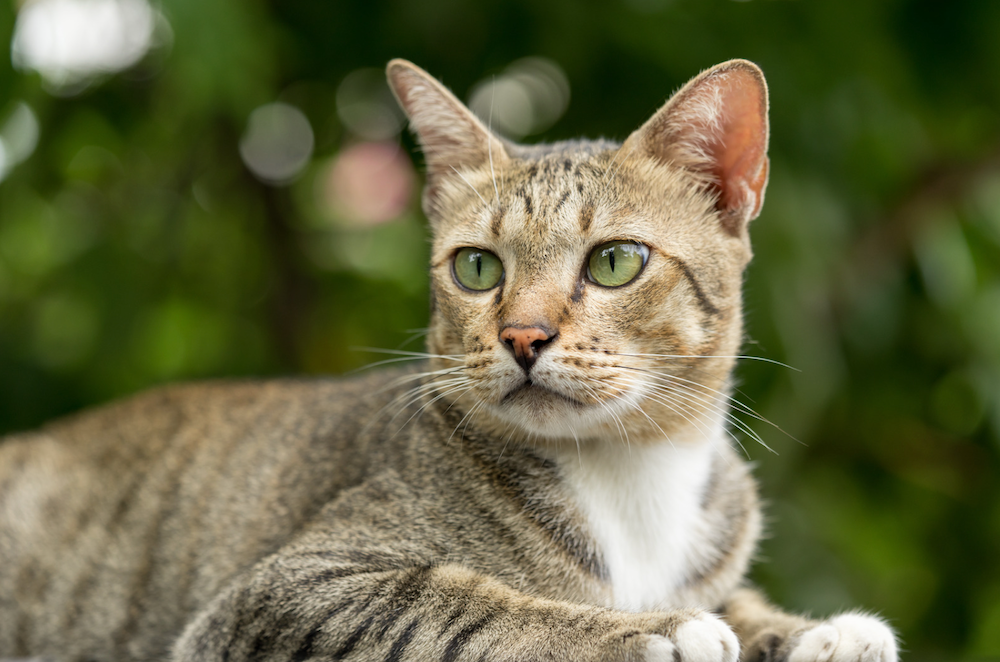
x=537, y=344
x=525, y=343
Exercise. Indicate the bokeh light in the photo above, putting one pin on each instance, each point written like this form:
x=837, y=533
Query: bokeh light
x=278, y=143
x=368, y=183
x=18, y=137
x=366, y=106
x=70, y=41
x=527, y=98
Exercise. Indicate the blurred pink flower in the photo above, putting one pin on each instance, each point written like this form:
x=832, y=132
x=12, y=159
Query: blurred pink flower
x=369, y=183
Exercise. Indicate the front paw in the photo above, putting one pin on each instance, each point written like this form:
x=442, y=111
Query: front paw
x=704, y=638
x=846, y=638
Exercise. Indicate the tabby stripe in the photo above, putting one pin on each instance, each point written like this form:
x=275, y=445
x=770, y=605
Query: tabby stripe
x=699, y=293
x=496, y=221
x=411, y=585
x=562, y=200
x=461, y=640
x=126, y=500
x=551, y=521
x=353, y=640
x=586, y=217
x=142, y=577
x=398, y=646
x=269, y=633
x=325, y=576
x=459, y=607
x=245, y=620
x=87, y=580
x=387, y=621
x=732, y=532
x=305, y=649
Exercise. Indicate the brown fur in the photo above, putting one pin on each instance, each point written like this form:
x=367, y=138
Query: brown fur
x=428, y=515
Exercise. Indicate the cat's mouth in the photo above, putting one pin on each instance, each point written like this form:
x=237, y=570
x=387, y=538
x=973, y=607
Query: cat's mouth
x=528, y=392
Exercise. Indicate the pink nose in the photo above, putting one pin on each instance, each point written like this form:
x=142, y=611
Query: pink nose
x=525, y=343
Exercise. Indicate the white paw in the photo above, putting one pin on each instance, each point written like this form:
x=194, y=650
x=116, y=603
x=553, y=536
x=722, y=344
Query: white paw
x=658, y=649
x=847, y=638
x=704, y=638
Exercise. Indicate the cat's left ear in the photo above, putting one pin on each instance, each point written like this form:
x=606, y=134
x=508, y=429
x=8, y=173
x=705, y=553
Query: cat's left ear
x=716, y=125
x=452, y=138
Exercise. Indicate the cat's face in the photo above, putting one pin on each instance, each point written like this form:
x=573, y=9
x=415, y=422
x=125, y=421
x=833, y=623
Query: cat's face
x=580, y=290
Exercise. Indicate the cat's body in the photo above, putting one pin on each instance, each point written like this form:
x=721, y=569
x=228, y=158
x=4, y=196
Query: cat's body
x=555, y=484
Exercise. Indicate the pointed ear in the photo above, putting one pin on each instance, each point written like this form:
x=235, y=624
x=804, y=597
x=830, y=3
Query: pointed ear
x=716, y=125
x=451, y=136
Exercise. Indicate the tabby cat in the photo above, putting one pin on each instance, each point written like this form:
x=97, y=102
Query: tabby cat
x=554, y=483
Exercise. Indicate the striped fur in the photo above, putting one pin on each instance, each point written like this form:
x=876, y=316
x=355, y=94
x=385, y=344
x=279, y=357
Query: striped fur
x=584, y=507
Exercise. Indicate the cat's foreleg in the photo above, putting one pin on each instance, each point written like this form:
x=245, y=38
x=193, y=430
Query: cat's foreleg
x=295, y=609
x=768, y=634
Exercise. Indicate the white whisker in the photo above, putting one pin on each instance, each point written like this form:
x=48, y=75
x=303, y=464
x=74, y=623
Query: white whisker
x=404, y=352
x=622, y=432
x=467, y=415
x=622, y=380
x=711, y=356
x=470, y=185
x=680, y=394
x=489, y=141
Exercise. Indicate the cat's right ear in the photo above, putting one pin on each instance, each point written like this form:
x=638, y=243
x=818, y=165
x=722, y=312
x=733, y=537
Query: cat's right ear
x=452, y=137
x=716, y=126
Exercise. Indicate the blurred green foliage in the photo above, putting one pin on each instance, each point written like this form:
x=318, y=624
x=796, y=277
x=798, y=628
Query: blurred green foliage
x=136, y=248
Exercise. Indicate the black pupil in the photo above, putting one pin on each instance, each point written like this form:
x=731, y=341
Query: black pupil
x=479, y=265
x=611, y=258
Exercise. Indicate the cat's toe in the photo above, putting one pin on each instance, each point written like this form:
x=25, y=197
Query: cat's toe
x=847, y=638
x=659, y=649
x=705, y=638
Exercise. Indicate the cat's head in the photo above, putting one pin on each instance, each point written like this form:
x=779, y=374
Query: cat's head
x=584, y=289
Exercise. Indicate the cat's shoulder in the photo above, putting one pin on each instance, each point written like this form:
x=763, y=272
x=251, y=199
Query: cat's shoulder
x=221, y=403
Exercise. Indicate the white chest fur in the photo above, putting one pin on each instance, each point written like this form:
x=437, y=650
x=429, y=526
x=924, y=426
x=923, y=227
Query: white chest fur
x=643, y=508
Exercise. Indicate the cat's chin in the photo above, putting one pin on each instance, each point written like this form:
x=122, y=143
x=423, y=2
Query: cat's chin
x=546, y=413
x=532, y=394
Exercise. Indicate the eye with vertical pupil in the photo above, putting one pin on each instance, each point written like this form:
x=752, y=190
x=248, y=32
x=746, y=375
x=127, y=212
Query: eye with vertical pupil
x=476, y=269
x=616, y=263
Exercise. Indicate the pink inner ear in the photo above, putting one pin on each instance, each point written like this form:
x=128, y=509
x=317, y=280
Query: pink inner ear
x=738, y=150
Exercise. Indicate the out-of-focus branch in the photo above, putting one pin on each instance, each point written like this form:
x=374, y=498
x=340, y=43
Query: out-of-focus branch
x=292, y=291
x=941, y=184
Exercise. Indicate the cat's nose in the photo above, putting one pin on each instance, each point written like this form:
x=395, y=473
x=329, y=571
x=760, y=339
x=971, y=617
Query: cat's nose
x=526, y=343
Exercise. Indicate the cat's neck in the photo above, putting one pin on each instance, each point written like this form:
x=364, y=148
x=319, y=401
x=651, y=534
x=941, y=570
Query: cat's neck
x=643, y=506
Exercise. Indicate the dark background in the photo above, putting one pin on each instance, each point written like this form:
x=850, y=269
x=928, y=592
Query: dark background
x=136, y=247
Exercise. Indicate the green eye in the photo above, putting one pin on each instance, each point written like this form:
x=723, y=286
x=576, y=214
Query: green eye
x=477, y=269
x=616, y=262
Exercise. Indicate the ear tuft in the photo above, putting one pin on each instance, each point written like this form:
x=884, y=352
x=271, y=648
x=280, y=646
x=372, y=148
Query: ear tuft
x=716, y=125
x=450, y=135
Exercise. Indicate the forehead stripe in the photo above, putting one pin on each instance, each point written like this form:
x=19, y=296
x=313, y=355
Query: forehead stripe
x=496, y=221
x=703, y=301
x=562, y=200
x=586, y=217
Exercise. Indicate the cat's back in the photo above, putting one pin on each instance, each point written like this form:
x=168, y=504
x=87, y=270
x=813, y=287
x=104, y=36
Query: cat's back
x=125, y=506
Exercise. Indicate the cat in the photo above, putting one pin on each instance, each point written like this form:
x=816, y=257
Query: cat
x=554, y=483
